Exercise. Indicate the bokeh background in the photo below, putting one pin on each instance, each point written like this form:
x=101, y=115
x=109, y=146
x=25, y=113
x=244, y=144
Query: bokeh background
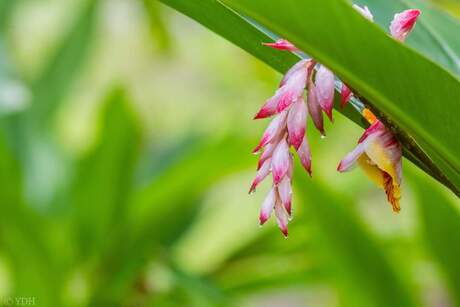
x=125, y=139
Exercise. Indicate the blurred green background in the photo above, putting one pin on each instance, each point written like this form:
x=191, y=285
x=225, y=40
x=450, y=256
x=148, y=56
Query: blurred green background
x=125, y=139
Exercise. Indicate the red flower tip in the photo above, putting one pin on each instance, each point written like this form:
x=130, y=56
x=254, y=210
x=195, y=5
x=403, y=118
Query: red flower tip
x=262, y=219
x=284, y=230
x=329, y=114
x=288, y=207
x=263, y=113
x=253, y=186
x=339, y=167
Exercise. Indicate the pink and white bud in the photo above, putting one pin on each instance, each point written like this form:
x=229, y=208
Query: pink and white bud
x=292, y=89
x=305, y=155
x=267, y=153
x=325, y=89
x=345, y=95
x=277, y=125
x=403, y=23
x=296, y=122
x=280, y=161
x=261, y=174
x=285, y=193
x=282, y=44
x=314, y=108
x=267, y=206
x=364, y=11
x=282, y=217
x=302, y=64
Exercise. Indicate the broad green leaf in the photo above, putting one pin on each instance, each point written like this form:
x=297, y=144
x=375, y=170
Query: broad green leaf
x=398, y=87
x=440, y=217
x=355, y=263
x=104, y=176
x=435, y=32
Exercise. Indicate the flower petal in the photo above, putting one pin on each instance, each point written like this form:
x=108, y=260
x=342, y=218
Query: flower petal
x=302, y=64
x=385, y=151
x=314, y=109
x=266, y=154
x=325, y=88
x=267, y=206
x=285, y=192
x=403, y=23
x=364, y=11
x=350, y=159
x=304, y=154
x=261, y=174
x=282, y=44
x=274, y=128
x=269, y=108
x=281, y=217
x=296, y=122
x=280, y=161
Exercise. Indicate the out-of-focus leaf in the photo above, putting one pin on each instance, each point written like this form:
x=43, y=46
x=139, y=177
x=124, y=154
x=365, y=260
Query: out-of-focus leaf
x=452, y=6
x=54, y=82
x=364, y=276
x=160, y=211
x=104, y=176
x=6, y=8
x=158, y=29
x=440, y=216
x=23, y=238
x=14, y=94
x=29, y=131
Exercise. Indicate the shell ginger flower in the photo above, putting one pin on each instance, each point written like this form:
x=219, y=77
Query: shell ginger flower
x=379, y=154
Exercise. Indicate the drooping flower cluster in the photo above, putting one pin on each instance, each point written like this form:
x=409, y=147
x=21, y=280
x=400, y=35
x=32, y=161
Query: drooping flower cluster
x=378, y=152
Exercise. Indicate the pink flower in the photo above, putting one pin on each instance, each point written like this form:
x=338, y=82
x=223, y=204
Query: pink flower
x=286, y=129
x=379, y=154
x=325, y=88
x=314, y=108
x=291, y=88
x=297, y=122
x=282, y=44
x=403, y=23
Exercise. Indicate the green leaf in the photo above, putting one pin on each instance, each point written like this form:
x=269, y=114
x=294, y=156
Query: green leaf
x=440, y=217
x=435, y=32
x=349, y=44
x=104, y=176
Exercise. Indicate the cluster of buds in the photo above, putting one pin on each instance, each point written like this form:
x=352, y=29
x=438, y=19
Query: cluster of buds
x=378, y=152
